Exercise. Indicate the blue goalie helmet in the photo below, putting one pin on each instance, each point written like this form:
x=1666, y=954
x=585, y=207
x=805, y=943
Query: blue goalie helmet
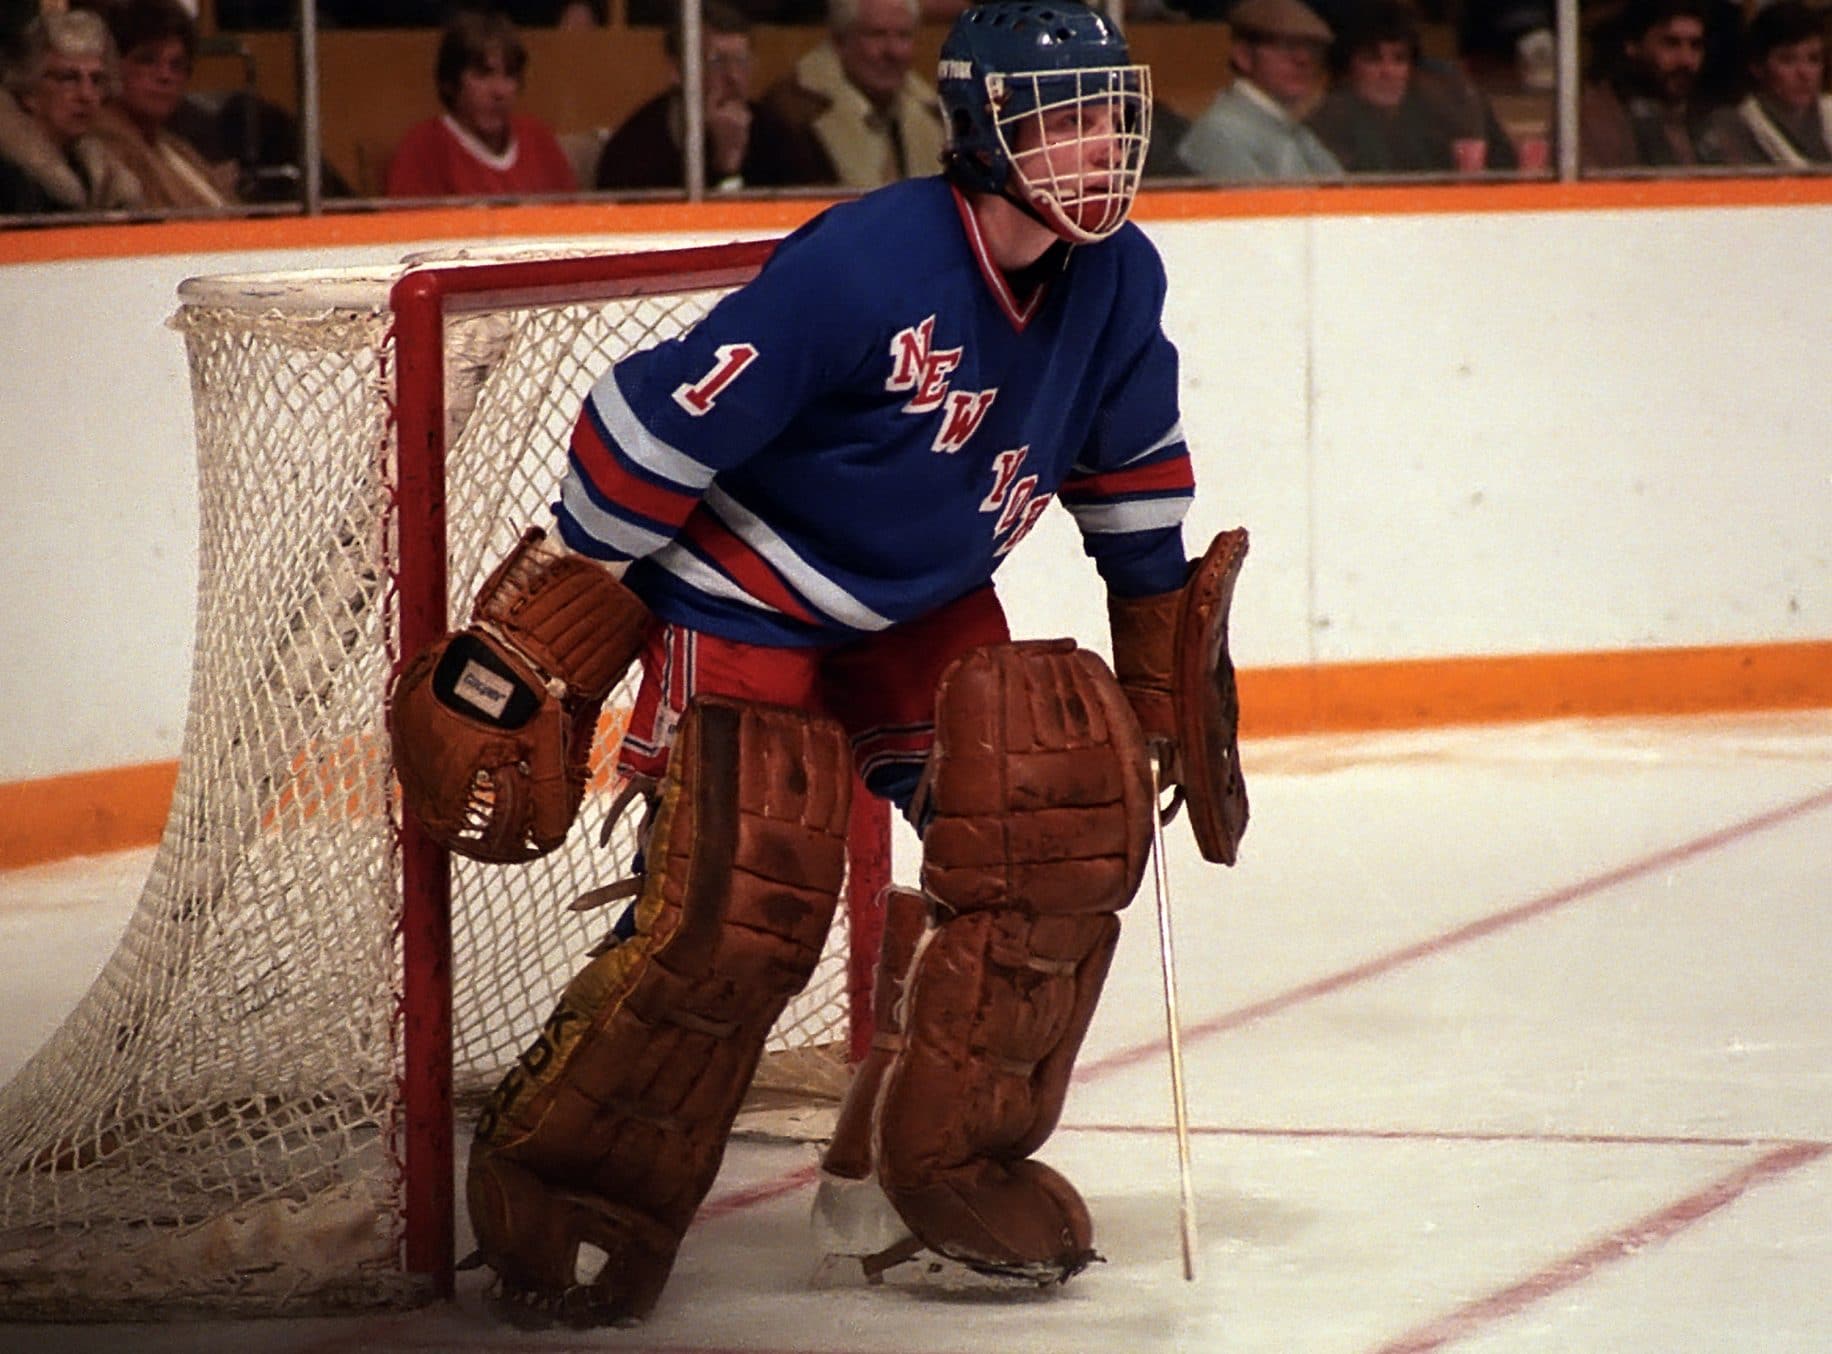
x=1045, y=107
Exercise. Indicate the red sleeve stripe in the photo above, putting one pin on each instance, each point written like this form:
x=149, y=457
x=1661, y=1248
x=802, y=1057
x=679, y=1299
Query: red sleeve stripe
x=1172, y=476
x=614, y=482
x=744, y=566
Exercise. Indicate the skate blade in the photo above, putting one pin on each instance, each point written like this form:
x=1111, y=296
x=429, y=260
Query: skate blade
x=909, y=1267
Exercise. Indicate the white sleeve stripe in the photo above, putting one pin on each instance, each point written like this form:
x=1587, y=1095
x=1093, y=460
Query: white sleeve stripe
x=638, y=444
x=606, y=528
x=822, y=592
x=678, y=560
x=1169, y=438
x=1143, y=514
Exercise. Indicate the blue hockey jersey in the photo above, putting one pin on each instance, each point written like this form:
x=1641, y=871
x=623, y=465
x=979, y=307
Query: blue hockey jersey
x=864, y=431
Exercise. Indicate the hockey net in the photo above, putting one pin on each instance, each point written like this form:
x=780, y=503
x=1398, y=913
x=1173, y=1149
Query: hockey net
x=250, y=1110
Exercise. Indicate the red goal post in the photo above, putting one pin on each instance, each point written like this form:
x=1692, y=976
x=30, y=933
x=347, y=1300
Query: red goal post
x=422, y=301
x=253, y=1109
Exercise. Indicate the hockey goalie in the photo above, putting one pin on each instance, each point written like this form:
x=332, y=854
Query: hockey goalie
x=791, y=518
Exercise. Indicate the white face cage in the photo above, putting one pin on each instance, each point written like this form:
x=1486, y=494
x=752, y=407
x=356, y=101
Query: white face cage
x=1076, y=141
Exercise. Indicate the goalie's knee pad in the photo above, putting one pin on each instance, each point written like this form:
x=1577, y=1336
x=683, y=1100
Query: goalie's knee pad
x=1037, y=794
x=1040, y=796
x=608, y=1131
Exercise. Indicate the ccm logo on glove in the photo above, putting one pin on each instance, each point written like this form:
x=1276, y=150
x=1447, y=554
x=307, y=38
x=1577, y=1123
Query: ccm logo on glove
x=473, y=679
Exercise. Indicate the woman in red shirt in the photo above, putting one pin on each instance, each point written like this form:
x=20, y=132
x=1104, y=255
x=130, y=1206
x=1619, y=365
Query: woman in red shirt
x=480, y=146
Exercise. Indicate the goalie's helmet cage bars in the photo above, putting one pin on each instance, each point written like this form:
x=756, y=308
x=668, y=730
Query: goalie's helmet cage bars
x=252, y=1110
x=1066, y=69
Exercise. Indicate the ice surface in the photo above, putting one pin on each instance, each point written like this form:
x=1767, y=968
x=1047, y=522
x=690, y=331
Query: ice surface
x=1500, y=1039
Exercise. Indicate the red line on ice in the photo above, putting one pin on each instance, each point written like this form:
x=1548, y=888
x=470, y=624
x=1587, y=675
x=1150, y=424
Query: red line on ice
x=1619, y=1245
x=1480, y=929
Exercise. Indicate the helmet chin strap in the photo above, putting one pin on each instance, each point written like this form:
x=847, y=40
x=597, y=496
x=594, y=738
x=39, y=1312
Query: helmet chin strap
x=968, y=181
x=1024, y=203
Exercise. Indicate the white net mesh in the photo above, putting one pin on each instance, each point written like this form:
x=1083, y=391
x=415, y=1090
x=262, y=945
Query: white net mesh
x=218, y=1123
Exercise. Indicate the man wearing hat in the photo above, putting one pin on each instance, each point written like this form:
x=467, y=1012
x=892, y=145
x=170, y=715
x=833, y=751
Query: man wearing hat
x=1254, y=129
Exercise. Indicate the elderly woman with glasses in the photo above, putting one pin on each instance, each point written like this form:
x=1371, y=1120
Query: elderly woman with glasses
x=55, y=88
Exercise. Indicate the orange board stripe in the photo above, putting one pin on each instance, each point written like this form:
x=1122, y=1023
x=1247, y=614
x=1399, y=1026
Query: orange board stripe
x=90, y=812
x=775, y=216
x=85, y=813
x=1350, y=697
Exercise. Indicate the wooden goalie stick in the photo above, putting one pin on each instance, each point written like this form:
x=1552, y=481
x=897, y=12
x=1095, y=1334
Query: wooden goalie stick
x=1186, y=1209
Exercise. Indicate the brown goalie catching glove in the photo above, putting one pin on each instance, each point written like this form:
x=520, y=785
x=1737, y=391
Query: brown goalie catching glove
x=492, y=725
x=1170, y=652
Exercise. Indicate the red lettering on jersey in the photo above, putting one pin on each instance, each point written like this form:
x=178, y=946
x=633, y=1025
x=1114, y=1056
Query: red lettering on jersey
x=1016, y=501
x=1004, y=471
x=1014, y=504
x=697, y=397
x=965, y=411
x=1032, y=511
x=909, y=352
x=917, y=366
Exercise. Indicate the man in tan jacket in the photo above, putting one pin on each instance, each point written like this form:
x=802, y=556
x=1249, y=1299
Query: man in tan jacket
x=856, y=99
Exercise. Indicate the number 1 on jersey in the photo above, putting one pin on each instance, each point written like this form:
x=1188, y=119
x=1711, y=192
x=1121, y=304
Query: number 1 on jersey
x=697, y=397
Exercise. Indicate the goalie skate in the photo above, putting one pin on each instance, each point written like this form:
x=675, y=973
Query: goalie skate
x=857, y=1233
x=862, y=1242
x=911, y=1267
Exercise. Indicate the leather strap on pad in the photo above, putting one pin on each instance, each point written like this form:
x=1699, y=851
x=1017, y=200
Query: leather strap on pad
x=611, y=1128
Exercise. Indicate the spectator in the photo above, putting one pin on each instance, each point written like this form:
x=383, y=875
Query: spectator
x=1786, y=118
x=157, y=40
x=1254, y=129
x=1644, y=110
x=747, y=146
x=582, y=14
x=1391, y=114
x=867, y=117
x=264, y=141
x=480, y=146
x=64, y=69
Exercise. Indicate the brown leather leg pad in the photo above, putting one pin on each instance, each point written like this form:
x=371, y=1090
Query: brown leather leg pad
x=996, y=1009
x=615, y=1120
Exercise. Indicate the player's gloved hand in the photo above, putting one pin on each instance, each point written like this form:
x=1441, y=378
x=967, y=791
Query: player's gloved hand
x=1170, y=652
x=1144, y=631
x=491, y=726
